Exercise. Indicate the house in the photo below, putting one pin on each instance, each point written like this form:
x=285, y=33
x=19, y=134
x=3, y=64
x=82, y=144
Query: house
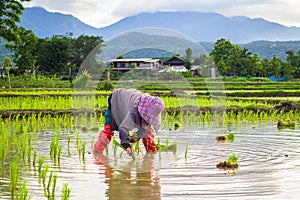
x=175, y=61
x=174, y=64
x=195, y=71
x=126, y=64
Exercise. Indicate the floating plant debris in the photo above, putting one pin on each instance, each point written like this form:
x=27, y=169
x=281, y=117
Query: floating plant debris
x=226, y=138
x=283, y=124
x=231, y=164
x=176, y=125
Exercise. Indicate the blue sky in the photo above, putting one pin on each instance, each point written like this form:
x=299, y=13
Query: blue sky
x=99, y=13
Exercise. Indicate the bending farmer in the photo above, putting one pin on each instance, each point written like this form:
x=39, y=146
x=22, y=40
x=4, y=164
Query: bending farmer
x=129, y=109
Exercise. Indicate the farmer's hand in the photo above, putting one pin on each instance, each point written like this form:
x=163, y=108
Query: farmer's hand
x=133, y=138
x=130, y=150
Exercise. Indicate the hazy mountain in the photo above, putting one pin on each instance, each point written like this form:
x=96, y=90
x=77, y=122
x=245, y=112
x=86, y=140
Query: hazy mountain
x=46, y=24
x=204, y=27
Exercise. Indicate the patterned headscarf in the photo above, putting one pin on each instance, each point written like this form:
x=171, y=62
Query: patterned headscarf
x=150, y=109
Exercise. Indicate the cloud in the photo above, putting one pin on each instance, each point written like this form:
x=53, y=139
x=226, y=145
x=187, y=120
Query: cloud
x=100, y=13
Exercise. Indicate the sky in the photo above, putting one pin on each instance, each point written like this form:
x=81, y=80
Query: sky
x=100, y=13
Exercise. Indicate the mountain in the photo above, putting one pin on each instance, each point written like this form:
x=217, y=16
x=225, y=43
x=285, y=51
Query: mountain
x=46, y=24
x=207, y=27
x=204, y=27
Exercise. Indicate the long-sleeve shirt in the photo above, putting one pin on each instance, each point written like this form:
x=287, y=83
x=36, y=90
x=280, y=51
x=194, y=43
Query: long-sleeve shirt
x=125, y=116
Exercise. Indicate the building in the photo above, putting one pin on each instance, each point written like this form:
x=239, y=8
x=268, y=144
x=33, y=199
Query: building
x=175, y=61
x=126, y=64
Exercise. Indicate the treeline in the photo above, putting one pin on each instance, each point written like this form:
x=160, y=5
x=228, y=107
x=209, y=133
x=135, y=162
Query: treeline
x=60, y=54
x=234, y=60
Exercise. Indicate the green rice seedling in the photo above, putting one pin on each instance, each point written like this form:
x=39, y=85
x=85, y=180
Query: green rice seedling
x=49, y=181
x=29, y=148
x=233, y=159
x=115, y=147
x=66, y=191
x=137, y=148
x=117, y=144
x=78, y=140
x=55, y=147
x=231, y=164
x=54, y=185
x=59, y=149
x=40, y=164
x=186, y=150
x=44, y=173
x=69, y=141
x=34, y=158
x=14, y=177
x=167, y=147
x=83, y=151
x=23, y=193
x=230, y=137
x=24, y=143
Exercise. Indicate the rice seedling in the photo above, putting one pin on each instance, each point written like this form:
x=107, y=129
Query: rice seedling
x=40, y=164
x=23, y=193
x=83, y=151
x=54, y=185
x=34, y=158
x=14, y=176
x=44, y=174
x=231, y=164
x=55, y=147
x=49, y=181
x=66, y=191
x=186, y=150
x=69, y=141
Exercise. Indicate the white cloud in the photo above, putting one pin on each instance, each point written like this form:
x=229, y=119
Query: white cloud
x=100, y=13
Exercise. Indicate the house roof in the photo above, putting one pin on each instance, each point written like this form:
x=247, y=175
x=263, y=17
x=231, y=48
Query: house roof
x=175, y=60
x=149, y=60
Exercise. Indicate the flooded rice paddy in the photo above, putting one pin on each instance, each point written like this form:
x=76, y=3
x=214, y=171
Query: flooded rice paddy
x=269, y=162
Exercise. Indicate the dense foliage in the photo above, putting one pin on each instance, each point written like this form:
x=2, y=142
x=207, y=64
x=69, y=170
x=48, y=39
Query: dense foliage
x=10, y=12
x=233, y=60
x=60, y=54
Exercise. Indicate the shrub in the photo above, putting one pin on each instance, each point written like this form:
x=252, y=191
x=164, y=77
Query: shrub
x=82, y=80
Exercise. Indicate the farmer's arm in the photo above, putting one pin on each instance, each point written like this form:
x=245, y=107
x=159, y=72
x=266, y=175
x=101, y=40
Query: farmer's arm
x=124, y=128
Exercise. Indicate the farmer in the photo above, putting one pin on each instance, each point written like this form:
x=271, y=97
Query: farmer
x=129, y=109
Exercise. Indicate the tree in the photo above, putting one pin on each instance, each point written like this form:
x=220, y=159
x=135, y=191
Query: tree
x=287, y=70
x=24, y=51
x=82, y=46
x=10, y=12
x=188, y=54
x=294, y=61
x=266, y=67
x=234, y=60
x=54, y=55
x=6, y=64
x=222, y=55
x=275, y=66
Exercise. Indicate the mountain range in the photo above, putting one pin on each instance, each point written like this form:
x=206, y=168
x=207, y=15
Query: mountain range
x=202, y=27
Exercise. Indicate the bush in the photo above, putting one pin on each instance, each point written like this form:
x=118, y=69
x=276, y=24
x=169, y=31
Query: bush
x=82, y=80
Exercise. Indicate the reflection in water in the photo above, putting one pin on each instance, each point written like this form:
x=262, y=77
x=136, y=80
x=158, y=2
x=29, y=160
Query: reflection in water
x=269, y=168
x=131, y=184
